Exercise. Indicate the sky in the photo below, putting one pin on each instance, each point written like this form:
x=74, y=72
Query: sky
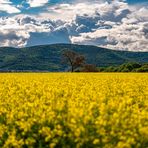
x=114, y=24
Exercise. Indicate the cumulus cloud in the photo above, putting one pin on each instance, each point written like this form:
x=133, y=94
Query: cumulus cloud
x=6, y=6
x=114, y=25
x=119, y=27
x=37, y=3
x=13, y=38
x=20, y=31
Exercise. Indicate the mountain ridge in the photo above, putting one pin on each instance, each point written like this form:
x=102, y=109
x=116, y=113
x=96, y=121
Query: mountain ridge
x=49, y=57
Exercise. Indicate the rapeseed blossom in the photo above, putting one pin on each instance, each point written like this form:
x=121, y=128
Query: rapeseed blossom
x=74, y=110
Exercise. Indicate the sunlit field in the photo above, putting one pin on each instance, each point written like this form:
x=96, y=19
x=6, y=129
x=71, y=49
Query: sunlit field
x=67, y=110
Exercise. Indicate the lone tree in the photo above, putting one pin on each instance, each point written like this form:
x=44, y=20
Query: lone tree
x=74, y=59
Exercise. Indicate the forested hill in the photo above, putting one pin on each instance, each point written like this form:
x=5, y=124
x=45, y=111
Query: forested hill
x=49, y=57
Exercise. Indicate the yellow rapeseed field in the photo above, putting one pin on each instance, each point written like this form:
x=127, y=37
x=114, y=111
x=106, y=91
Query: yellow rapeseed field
x=67, y=110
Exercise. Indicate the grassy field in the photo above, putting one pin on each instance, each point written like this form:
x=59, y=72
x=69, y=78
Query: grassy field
x=66, y=110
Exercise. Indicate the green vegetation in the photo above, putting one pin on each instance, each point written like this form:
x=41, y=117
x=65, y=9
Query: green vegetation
x=126, y=67
x=49, y=57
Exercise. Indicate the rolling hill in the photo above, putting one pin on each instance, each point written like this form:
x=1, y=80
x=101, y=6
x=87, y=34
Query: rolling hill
x=49, y=57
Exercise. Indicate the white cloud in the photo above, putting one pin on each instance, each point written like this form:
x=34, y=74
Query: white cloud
x=119, y=27
x=20, y=31
x=105, y=9
x=6, y=6
x=113, y=25
x=121, y=37
x=13, y=32
x=13, y=39
x=37, y=3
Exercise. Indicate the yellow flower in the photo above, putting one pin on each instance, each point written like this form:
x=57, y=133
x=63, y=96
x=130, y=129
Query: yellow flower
x=73, y=110
x=96, y=141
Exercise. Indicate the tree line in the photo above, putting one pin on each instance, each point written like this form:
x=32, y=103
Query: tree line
x=77, y=63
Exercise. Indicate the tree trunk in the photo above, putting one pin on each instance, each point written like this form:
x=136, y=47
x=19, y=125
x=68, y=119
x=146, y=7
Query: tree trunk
x=72, y=69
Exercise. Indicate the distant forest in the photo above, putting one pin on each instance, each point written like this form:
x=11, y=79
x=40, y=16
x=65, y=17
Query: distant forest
x=126, y=67
x=71, y=57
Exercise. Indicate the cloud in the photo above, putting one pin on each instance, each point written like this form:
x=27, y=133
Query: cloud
x=13, y=38
x=20, y=31
x=114, y=25
x=37, y=3
x=119, y=27
x=6, y=6
x=120, y=37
